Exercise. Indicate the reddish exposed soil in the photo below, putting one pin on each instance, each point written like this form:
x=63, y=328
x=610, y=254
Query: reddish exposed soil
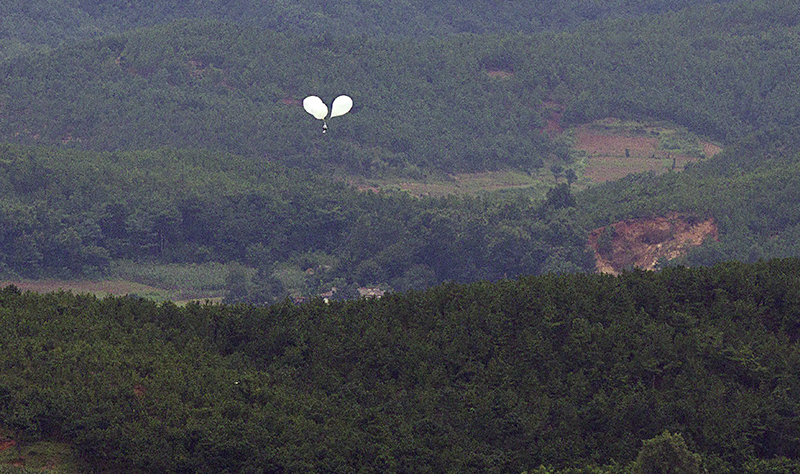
x=599, y=143
x=553, y=122
x=6, y=444
x=709, y=149
x=499, y=74
x=640, y=243
x=613, y=152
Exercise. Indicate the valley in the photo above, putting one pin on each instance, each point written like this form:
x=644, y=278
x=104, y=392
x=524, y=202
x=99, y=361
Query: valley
x=547, y=238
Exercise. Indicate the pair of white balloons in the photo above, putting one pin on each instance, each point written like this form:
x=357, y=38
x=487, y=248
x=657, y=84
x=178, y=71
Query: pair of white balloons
x=316, y=107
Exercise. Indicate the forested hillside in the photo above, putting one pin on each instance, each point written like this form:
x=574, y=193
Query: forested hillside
x=26, y=25
x=71, y=212
x=173, y=133
x=560, y=371
x=68, y=212
x=750, y=190
x=421, y=107
x=460, y=103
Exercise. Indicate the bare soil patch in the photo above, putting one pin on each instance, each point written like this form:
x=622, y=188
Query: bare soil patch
x=640, y=243
x=605, y=144
x=710, y=149
x=499, y=73
x=609, y=149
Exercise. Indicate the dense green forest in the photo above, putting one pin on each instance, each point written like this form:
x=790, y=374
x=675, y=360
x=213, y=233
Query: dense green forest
x=27, y=25
x=172, y=133
x=72, y=212
x=538, y=374
x=422, y=105
x=67, y=212
x=216, y=105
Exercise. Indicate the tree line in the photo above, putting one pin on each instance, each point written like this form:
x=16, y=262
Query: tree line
x=569, y=373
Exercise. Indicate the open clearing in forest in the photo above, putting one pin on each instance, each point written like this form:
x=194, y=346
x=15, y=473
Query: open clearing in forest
x=603, y=150
x=640, y=243
x=44, y=456
x=102, y=288
x=157, y=282
x=612, y=148
x=459, y=184
x=99, y=288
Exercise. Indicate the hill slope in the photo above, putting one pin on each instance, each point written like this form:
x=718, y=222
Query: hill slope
x=37, y=23
x=464, y=103
x=749, y=191
x=565, y=371
x=461, y=103
x=72, y=211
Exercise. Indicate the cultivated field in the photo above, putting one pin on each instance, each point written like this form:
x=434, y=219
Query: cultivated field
x=603, y=150
x=172, y=282
x=612, y=148
x=460, y=184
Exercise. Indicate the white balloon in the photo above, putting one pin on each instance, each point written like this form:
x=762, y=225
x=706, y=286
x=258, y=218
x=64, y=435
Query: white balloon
x=314, y=105
x=341, y=105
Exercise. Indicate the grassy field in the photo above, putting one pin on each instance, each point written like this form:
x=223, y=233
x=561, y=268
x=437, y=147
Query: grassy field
x=41, y=457
x=602, y=150
x=458, y=184
x=178, y=283
x=95, y=287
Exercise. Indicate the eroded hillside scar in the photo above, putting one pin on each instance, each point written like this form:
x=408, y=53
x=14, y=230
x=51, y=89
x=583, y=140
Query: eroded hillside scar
x=640, y=243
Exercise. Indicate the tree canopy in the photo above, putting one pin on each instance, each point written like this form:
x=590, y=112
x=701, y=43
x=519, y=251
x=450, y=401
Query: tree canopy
x=37, y=23
x=564, y=372
x=421, y=105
